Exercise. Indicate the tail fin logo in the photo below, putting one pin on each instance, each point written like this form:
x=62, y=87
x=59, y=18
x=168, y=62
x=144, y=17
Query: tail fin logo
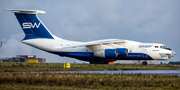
x=28, y=25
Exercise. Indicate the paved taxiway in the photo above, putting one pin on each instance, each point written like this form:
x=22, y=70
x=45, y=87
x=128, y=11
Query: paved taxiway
x=155, y=72
x=159, y=72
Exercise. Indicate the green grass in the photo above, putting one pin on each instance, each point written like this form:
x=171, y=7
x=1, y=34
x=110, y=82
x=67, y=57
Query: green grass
x=88, y=81
x=29, y=67
x=60, y=81
x=21, y=86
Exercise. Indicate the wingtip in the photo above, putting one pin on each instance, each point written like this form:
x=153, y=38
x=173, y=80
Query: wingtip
x=6, y=9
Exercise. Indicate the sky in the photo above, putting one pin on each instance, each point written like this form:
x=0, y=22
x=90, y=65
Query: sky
x=148, y=21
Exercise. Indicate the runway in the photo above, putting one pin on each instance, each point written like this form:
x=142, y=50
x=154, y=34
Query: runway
x=153, y=72
x=158, y=72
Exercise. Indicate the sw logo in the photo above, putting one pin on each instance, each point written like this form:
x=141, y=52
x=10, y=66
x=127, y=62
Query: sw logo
x=27, y=25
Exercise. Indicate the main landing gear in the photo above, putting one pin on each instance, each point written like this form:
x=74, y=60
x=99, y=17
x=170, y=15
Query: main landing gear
x=98, y=62
x=144, y=63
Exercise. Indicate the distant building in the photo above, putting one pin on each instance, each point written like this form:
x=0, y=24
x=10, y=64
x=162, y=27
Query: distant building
x=23, y=58
x=6, y=60
x=174, y=62
x=137, y=62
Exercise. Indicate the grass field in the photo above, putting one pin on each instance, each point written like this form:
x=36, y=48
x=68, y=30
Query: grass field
x=59, y=81
x=88, y=81
x=29, y=67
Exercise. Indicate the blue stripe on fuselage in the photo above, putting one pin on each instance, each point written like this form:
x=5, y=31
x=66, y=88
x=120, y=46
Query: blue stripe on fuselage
x=89, y=56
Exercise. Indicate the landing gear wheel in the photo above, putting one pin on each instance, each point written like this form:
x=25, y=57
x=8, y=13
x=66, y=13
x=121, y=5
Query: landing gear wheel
x=91, y=62
x=144, y=63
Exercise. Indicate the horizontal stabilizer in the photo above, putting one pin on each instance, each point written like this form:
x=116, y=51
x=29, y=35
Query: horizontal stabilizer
x=26, y=11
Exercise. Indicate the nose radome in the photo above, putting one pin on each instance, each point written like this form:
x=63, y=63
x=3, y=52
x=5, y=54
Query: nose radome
x=173, y=53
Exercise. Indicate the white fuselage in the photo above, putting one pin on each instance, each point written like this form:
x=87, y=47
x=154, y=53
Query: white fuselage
x=51, y=45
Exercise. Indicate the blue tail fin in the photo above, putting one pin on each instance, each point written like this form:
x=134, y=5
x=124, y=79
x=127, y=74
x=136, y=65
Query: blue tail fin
x=31, y=24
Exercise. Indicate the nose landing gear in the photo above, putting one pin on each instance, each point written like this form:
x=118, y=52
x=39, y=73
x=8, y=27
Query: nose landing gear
x=144, y=63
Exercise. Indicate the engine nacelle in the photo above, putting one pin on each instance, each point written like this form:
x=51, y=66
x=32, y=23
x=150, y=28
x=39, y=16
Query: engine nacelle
x=111, y=53
x=106, y=53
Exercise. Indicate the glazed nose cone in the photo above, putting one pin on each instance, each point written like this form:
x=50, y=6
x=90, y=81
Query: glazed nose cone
x=173, y=53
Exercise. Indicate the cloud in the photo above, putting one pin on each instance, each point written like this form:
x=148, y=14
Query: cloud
x=12, y=46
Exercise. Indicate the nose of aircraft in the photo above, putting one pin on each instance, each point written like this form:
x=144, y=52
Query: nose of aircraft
x=173, y=53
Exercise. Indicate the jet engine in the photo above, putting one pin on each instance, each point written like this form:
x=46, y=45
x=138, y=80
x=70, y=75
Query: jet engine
x=111, y=53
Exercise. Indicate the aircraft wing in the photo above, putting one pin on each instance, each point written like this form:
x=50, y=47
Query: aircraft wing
x=97, y=45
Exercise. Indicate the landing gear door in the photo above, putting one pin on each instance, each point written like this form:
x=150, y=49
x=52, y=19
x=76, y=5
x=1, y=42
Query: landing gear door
x=144, y=53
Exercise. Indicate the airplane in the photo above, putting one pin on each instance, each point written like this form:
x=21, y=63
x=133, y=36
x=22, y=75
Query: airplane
x=95, y=52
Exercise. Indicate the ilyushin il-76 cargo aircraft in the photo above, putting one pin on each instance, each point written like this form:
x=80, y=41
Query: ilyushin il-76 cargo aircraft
x=96, y=52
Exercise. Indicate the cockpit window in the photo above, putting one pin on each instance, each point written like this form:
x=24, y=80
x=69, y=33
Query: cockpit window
x=165, y=47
